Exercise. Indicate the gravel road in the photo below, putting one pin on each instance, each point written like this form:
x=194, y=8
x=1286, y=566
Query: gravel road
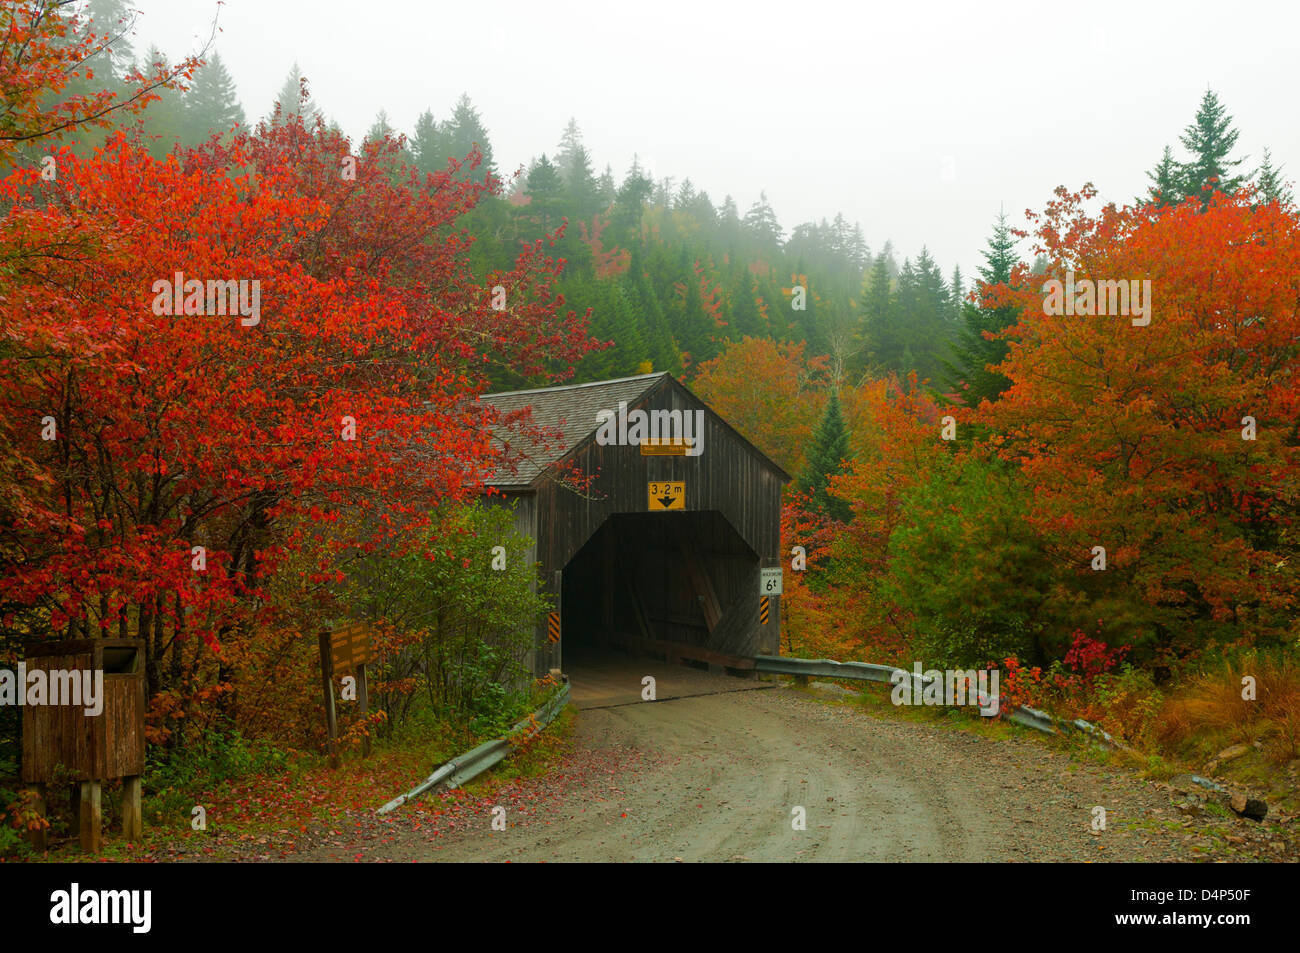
x=718, y=778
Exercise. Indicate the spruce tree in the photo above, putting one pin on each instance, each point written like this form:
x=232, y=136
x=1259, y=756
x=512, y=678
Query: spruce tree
x=1270, y=182
x=294, y=99
x=580, y=184
x=972, y=353
x=428, y=149
x=606, y=188
x=761, y=224
x=1165, y=188
x=462, y=133
x=877, y=326
x=212, y=104
x=1210, y=138
x=829, y=448
x=163, y=122
x=570, y=143
x=545, y=193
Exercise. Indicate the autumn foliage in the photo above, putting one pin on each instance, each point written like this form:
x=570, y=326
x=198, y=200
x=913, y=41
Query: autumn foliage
x=156, y=470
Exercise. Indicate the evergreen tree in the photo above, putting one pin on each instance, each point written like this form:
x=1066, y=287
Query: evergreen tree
x=760, y=222
x=879, y=336
x=606, y=188
x=212, y=104
x=973, y=353
x=829, y=448
x=162, y=123
x=570, y=143
x=685, y=195
x=294, y=99
x=956, y=291
x=1209, y=139
x=660, y=348
x=629, y=206
x=742, y=297
x=462, y=133
x=1270, y=182
x=729, y=221
x=545, y=193
x=702, y=210
x=1165, y=188
x=428, y=149
x=580, y=184
x=380, y=128
x=111, y=21
x=859, y=253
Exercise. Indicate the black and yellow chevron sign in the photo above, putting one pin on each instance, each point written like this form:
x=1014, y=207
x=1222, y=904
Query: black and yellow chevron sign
x=553, y=627
x=764, y=609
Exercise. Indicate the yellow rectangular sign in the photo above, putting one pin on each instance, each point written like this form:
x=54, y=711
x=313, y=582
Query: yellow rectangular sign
x=665, y=446
x=668, y=495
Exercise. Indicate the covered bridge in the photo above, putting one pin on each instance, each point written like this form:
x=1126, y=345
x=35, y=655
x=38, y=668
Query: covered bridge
x=662, y=552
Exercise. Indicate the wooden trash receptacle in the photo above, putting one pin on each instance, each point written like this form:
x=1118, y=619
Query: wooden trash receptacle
x=91, y=729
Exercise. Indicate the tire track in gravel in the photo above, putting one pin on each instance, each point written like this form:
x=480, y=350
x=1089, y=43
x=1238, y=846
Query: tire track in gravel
x=717, y=777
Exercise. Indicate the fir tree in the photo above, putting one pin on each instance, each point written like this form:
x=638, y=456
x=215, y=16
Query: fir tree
x=462, y=133
x=570, y=143
x=163, y=121
x=212, y=104
x=973, y=353
x=545, y=191
x=760, y=222
x=295, y=100
x=1165, y=181
x=1209, y=139
x=1270, y=183
x=428, y=149
x=829, y=448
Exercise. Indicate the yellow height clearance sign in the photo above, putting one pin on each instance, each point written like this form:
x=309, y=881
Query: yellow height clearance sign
x=667, y=495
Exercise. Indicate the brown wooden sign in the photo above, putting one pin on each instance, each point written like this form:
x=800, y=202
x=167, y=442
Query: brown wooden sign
x=350, y=647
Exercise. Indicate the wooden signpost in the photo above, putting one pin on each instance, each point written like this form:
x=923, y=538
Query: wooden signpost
x=345, y=650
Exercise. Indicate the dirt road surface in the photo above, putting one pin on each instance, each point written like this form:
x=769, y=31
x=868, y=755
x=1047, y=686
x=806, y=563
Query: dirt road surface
x=719, y=769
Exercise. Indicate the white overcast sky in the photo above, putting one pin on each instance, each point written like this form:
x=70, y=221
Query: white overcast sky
x=918, y=120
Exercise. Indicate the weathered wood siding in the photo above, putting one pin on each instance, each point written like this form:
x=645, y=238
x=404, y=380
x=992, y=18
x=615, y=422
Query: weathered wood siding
x=89, y=747
x=729, y=481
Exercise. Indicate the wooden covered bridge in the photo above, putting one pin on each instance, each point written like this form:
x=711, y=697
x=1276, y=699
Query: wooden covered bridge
x=664, y=551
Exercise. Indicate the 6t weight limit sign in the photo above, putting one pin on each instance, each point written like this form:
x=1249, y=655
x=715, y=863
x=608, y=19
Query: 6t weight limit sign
x=769, y=582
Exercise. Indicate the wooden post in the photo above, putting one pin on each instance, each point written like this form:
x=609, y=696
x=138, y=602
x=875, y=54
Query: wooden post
x=90, y=817
x=327, y=680
x=363, y=702
x=37, y=837
x=132, y=817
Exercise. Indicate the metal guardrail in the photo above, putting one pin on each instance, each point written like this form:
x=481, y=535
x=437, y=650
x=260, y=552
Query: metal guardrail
x=869, y=672
x=474, y=762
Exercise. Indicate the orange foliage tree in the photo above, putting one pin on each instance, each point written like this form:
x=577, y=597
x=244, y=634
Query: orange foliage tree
x=1173, y=444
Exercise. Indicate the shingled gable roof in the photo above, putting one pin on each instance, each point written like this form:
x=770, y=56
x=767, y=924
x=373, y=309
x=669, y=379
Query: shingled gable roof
x=571, y=409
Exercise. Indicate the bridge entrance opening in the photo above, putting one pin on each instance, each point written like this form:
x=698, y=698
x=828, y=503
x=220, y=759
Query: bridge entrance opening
x=676, y=586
